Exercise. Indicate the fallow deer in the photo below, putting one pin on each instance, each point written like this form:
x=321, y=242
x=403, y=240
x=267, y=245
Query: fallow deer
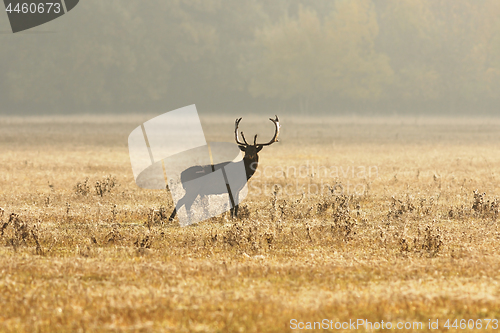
x=250, y=162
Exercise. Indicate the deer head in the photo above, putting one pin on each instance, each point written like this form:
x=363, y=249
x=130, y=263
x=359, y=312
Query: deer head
x=251, y=151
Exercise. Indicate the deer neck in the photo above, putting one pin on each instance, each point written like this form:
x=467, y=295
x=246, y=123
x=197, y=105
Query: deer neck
x=251, y=165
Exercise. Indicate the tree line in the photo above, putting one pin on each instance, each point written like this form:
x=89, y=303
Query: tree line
x=311, y=56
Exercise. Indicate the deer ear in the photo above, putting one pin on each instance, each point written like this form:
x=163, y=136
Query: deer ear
x=243, y=148
x=259, y=148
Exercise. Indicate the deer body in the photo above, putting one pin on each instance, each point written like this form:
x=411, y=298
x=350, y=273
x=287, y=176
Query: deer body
x=250, y=161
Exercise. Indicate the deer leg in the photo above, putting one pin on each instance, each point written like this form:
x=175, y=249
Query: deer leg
x=171, y=218
x=234, y=212
x=187, y=202
x=237, y=201
x=177, y=207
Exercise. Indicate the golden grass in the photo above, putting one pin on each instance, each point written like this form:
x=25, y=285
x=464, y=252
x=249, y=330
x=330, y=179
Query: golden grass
x=415, y=243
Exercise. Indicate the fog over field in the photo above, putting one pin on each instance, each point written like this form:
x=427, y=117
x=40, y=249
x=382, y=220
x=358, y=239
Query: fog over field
x=285, y=56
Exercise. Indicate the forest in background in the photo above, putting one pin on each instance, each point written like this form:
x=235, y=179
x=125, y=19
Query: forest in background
x=306, y=57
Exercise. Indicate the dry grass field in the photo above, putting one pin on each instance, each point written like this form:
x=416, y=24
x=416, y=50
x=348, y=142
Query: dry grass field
x=349, y=218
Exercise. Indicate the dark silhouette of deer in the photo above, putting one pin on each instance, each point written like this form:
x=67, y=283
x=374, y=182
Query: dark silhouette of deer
x=250, y=162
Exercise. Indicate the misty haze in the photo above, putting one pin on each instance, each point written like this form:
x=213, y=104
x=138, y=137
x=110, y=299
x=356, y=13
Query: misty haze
x=308, y=57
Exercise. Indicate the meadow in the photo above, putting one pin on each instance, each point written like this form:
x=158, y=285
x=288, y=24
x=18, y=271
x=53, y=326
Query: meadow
x=388, y=218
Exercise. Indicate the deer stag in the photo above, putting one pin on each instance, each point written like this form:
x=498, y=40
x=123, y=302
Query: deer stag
x=250, y=162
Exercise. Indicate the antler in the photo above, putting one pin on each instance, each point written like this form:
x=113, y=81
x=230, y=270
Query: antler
x=236, y=124
x=276, y=132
